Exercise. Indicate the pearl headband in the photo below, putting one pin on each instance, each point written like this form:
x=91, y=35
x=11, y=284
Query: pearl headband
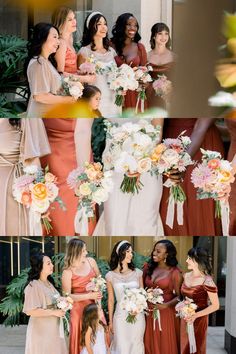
x=90, y=17
x=121, y=244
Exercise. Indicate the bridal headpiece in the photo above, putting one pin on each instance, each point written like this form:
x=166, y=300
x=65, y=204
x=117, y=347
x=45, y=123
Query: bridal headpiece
x=91, y=16
x=121, y=244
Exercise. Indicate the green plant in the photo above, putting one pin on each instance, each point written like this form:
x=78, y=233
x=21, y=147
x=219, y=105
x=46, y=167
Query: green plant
x=13, y=52
x=98, y=138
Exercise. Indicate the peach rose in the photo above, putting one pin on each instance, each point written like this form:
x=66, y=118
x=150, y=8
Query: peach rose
x=213, y=164
x=26, y=198
x=50, y=178
x=144, y=165
x=39, y=191
x=84, y=189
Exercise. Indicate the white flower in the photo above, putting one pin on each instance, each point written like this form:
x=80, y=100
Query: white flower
x=76, y=91
x=226, y=165
x=100, y=196
x=126, y=163
x=31, y=169
x=52, y=191
x=40, y=206
x=144, y=165
x=222, y=99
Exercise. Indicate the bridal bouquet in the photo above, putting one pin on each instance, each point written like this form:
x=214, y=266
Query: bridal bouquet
x=185, y=309
x=36, y=190
x=64, y=303
x=130, y=146
x=72, y=86
x=87, y=68
x=162, y=86
x=155, y=296
x=134, y=302
x=91, y=185
x=172, y=155
x=213, y=178
x=97, y=284
x=99, y=67
x=122, y=79
x=143, y=77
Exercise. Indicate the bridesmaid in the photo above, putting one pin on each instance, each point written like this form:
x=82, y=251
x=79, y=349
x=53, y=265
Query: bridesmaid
x=43, y=333
x=199, y=286
x=64, y=19
x=161, y=271
x=70, y=142
x=22, y=142
x=78, y=271
x=204, y=134
x=231, y=124
x=161, y=59
x=126, y=42
x=95, y=43
x=43, y=77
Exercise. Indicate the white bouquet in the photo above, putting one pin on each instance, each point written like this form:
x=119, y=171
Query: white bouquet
x=155, y=296
x=134, y=302
x=72, y=86
x=64, y=303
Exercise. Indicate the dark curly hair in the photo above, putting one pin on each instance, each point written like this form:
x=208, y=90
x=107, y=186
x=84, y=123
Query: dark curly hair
x=90, y=31
x=38, y=37
x=15, y=122
x=203, y=259
x=117, y=258
x=118, y=32
x=36, y=263
x=159, y=27
x=171, y=259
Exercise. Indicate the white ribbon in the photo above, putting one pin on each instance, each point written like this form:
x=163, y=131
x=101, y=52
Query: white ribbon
x=142, y=104
x=61, y=328
x=81, y=222
x=191, y=338
x=158, y=319
x=35, y=227
x=225, y=210
x=171, y=208
x=136, y=108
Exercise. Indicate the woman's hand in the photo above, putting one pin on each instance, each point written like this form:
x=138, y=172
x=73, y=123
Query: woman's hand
x=95, y=295
x=110, y=328
x=175, y=176
x=161, y=306
x=59, y=313
x=190, y=319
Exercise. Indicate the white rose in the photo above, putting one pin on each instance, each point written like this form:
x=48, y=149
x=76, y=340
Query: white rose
x=31, y=169
x=126, y=163
x=52, y=191
x=75, y=91
x=144, y=165
x=100, y=196
x=170, y=156
x=40, y=206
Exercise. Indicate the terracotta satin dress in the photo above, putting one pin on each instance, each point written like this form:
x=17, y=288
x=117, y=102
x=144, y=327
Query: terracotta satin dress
x=200, y=297
x=231, y=123
x=78, y=286
x=199, y=215
x=154, y=101
x=139, y=60
x=167, y=340
x=70, y=61
x=61, y=162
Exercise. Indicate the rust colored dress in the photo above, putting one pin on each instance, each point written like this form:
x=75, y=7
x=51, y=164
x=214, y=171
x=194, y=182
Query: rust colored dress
x=231, y=123
x=139, y=60
x=167, y=340
x=199, y=295
x=61, y=162
x=199, y=215
x=70, y=61
x=78, y=286
x=152, y=99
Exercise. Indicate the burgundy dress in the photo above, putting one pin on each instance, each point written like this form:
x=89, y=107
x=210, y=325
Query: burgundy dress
x=139, y=60
x=167, y=340
x=199, y=215
x=152, y=99
x=231, y=123
x=199, y=295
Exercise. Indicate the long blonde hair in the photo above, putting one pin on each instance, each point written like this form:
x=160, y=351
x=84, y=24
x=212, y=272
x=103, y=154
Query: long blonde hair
x=59, y=16
x=73, y=252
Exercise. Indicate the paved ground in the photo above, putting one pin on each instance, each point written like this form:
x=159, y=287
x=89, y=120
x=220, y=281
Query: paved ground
x=12, y=340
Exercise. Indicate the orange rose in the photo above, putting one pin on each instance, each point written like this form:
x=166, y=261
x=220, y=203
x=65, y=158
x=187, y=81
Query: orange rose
x=227, y=176
x=213, y=164
x=26, y=198
x=39, y=191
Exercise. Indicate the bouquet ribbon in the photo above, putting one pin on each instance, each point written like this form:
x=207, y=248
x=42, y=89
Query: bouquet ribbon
x=61, y=328
x=157, y=317
x=191, y=338
x=81, y=222
x=140, y=99
x=35, y=227
x=225, y=217
x=171, y=208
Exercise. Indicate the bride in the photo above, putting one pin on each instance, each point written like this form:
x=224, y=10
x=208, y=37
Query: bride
x=127, y=214
x=128, y=338
x=95, y=44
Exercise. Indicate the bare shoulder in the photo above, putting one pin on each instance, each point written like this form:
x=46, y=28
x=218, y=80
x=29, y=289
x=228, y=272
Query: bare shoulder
x=92, y=261
x=67, y=273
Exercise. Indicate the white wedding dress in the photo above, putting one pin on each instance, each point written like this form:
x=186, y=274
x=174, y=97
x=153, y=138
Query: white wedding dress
x=132, y=215
x=128, y=337
x=107, y=106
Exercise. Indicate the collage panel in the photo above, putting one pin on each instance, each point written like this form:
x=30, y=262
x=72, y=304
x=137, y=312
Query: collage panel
x=188, y=273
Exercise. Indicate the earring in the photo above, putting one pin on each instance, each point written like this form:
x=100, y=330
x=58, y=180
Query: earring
x=165, y=260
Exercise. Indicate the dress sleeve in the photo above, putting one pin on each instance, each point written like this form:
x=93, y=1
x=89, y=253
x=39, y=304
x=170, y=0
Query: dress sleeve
x=176, y=277
x=39, y=77
x=34, y=141
x=143, y=54
x=34, y=297
x=139, y=272
x=209, y=285
x=84, y=51
x=109, y=277
x=113, y=52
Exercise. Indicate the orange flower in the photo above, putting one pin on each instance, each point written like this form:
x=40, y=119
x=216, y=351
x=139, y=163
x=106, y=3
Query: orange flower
x=26, y=198
x=213, y=164
x=39, y=191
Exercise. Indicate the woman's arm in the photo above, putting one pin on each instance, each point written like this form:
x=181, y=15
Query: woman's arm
x=45, y=313
x=60, y=56
x=66, y=287
x=49, y=98
x=141, y=281
x=82, y=137
x=88, y=343
x=214, y=306
x=81, y=59
x=111, y=301
x=95, y=266
x=34, y=161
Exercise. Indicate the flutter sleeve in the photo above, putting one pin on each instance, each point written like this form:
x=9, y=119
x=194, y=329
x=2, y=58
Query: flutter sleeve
x=39, y=76
x=139, y=272
x=34, y=141
x=143, y=54
x=108, y=277
x=209, y=285
x=84, y=52
x=34, y=297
